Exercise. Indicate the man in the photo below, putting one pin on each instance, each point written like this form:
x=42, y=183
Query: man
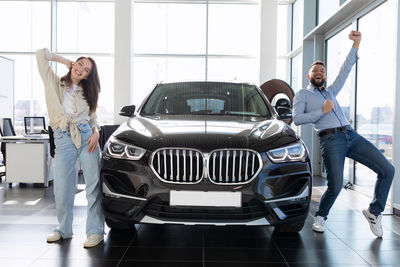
x=318, y=105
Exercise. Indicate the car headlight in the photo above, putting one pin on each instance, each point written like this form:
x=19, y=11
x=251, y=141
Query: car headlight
x=118, y=149
x=296, y=152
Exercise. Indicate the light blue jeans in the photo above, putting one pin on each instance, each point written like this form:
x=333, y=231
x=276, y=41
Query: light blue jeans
x=65, y=180
x=334, y=148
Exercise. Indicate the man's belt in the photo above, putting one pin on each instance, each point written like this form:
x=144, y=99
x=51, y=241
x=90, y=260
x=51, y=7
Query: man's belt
x=334, y=130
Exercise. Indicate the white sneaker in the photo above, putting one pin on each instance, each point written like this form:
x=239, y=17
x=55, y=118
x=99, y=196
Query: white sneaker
x=319, y=224
x=53, y=237
x=93, y=240
x=375, y=222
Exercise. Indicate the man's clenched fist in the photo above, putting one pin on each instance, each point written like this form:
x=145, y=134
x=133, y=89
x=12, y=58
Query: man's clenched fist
x=328, y=106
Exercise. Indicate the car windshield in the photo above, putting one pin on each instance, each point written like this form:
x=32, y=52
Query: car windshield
x=206, y=98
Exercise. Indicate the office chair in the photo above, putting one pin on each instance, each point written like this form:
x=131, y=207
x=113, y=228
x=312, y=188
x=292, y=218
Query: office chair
x=7, y=130
x=35, y=125
x=2, y=162
x=51, y=142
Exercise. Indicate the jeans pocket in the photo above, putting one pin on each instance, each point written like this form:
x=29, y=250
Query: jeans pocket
x=85, y=131
x=327, y=137
x=58, y=133
x=84, y=128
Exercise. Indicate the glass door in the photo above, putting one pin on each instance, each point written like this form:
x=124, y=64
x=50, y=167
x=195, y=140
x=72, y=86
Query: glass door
x=376, y=86
x=337, y=48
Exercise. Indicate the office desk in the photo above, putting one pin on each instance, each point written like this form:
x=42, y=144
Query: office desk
x=26, y=159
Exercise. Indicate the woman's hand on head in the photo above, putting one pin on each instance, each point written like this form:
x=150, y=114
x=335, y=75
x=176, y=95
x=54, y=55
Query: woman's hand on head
x=69, y=64
x=93, y=141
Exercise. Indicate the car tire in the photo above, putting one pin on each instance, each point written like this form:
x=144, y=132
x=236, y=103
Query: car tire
x=290, y=228
x=118, y=225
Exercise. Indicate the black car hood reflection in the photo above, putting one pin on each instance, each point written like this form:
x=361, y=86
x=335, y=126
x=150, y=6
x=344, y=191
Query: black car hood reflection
x=206, y=132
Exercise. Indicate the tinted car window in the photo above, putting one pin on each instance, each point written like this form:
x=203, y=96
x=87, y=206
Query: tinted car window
x=211, y=98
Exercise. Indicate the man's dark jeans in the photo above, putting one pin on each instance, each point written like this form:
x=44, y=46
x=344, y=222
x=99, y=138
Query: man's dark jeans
x=335, y=147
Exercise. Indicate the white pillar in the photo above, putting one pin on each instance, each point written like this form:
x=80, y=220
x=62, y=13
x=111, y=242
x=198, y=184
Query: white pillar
x=396, y=127
x=123, y=54
x=268, y=33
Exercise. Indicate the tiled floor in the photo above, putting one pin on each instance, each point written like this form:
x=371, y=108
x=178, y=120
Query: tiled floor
x=27, y=215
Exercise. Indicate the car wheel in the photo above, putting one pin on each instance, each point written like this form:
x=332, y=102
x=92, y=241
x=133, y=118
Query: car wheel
x=118, y=225
x=290, y=228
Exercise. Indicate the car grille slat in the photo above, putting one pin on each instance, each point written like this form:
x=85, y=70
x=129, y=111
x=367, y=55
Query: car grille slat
x=214, y=157
x=165, y=164
x=172, y=164
x=178, y=165
x=191, y=165
x=198, y=165
x=234, y=161
x=186, y=165
x=240, y=166
x=247, y=164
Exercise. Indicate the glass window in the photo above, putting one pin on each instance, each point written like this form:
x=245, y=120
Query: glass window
x=169, y=28
x=233, y=29
x=233, y=70
x=282, y=30
x=337, y=49
x=25, y=25
x=85, y=27
x=376, y=86
x=297, y=24
x=282, y=69
x=296, y=72
x=177, y=50
x=326, y=9
x=28, y=92
x=148, y=71
x=282, y=42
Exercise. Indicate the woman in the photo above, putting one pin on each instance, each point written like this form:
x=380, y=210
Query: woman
x=71, y=103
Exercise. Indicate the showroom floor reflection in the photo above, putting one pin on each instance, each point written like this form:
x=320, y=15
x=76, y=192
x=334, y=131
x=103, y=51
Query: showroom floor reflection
x=27, y=215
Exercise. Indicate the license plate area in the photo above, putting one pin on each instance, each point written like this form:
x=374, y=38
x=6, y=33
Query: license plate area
x=205, y=198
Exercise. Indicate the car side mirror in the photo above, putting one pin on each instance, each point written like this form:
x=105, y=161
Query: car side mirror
x=284, y=112
x=283, y=109
x=128, y=111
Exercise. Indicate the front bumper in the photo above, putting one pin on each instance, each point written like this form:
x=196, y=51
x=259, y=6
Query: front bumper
x=131, y=192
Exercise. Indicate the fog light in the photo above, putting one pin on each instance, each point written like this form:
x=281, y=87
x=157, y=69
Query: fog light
x=131, y=212
x=143, y=189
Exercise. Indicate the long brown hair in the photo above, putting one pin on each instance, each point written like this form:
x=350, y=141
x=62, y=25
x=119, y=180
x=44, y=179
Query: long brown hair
x=90, y=85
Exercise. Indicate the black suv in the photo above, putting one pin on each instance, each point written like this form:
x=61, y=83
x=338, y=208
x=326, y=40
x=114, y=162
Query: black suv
x=206, y=153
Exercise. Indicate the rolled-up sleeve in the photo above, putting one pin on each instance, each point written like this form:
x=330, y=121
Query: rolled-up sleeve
x=51, y=86
x=93, y=121
x=43, y=56
x=300, y=116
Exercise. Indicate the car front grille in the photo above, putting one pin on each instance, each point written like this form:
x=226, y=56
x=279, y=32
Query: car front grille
x=228, y=166
x=178, y=165
x=225, y=166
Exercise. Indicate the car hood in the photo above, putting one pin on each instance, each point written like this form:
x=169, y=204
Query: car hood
x=205, y=132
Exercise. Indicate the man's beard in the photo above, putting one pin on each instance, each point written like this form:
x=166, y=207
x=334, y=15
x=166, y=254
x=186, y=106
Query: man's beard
x=317, y=84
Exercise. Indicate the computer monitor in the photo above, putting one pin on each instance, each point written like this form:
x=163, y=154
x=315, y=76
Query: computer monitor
x=34, y=125
x=8, y=128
